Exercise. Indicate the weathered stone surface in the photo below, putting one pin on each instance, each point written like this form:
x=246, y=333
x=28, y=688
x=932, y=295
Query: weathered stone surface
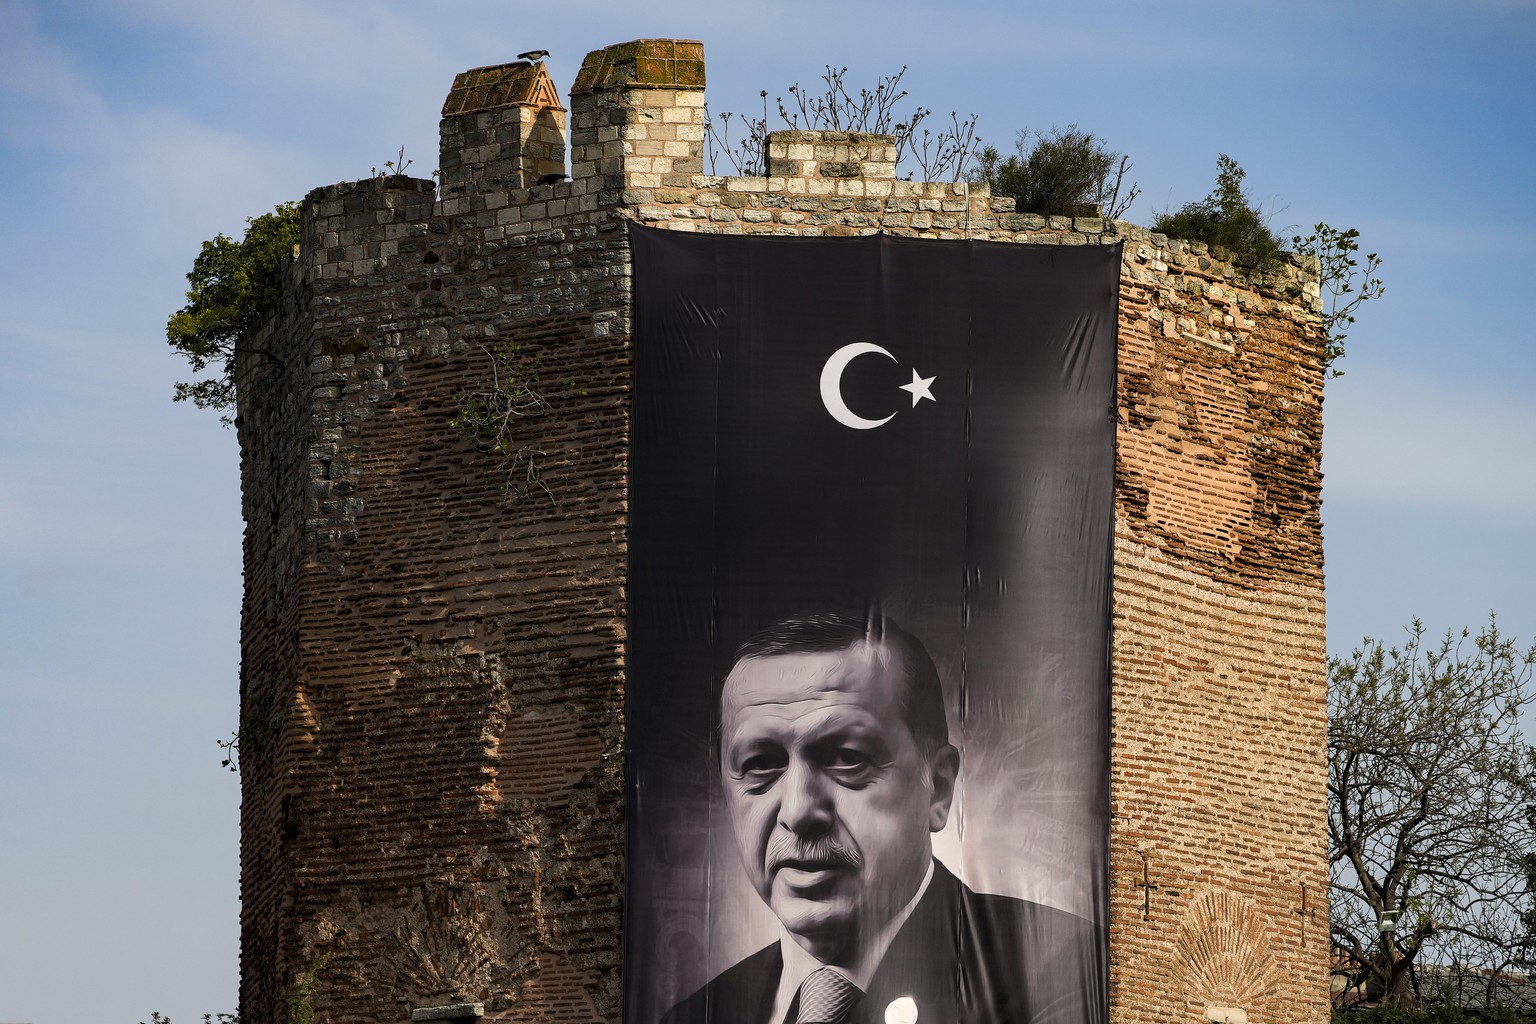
x=654, y=63
x=453, y=1011
x=841, y=169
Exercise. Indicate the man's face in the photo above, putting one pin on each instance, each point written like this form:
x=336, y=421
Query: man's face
x=828, y=795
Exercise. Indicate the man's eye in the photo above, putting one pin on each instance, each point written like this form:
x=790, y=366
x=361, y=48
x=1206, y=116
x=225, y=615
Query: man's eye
x=761, y=769
x=850, y=766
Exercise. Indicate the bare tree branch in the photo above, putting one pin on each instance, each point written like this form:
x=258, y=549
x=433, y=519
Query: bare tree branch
x=1431, y=789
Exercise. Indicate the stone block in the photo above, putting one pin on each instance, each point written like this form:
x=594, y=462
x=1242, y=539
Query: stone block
x=451, y=1011
x=841, y=169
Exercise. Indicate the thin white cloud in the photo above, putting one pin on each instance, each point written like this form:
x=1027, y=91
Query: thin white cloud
x=41, y=87
x=145, y=168
x=1392, y=436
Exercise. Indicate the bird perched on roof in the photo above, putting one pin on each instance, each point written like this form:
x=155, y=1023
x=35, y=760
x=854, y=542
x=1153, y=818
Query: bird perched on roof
x=533, y=55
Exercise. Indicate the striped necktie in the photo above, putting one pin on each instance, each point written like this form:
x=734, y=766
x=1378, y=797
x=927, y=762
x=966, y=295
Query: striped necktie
x=826, y=997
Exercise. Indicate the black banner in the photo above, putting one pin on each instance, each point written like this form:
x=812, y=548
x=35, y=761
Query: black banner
x=871, y=514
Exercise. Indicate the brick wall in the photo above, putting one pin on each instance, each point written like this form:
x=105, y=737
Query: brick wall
x=432, y=679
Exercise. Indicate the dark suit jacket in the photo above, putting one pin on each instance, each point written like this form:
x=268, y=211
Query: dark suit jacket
x=963, y=957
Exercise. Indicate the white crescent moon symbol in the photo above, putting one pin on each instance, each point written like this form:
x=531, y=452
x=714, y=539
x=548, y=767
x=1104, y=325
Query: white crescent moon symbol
x=832, y=385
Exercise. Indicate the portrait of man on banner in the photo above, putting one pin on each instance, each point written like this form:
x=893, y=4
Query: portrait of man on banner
x=836, y=764
x=868, y=603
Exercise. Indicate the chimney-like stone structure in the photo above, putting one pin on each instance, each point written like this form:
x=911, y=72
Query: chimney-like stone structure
x=637, y=115
x=433, y=677
x=503, y=127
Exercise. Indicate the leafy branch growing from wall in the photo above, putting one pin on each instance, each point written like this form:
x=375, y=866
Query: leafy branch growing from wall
x=255, y=727
x=1344, y=281
x=488, y=417
x=1228, y=218
x=940, y=155
x=234, y=288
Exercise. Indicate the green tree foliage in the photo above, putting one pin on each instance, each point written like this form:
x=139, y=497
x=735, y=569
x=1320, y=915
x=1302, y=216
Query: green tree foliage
x=234, y=288
x=1345, y=283
x=1227, y=218
x=1431, y=789
x=1066, y=172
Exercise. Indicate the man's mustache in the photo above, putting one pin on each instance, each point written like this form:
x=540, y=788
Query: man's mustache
x=820, y=852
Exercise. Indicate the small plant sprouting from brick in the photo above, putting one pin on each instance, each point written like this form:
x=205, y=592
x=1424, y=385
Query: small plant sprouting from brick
x=940, y=155
x=255, y=726
x=392, y=167
x=301, y=1005
x=487, y=418
x=1345, y=283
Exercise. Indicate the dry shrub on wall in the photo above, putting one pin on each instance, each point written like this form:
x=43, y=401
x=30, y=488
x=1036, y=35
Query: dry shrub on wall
x=942, y=155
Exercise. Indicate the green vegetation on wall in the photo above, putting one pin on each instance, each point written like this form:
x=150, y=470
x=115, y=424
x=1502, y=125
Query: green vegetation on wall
x=234, y=288
x=1065, y=172
x=1226, y=218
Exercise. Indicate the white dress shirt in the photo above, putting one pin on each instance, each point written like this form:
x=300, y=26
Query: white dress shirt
x=798, y=964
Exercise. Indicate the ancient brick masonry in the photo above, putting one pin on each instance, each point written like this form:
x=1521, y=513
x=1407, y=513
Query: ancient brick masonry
x=433, y=679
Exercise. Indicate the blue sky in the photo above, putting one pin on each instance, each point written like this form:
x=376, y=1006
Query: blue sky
x=131, y=132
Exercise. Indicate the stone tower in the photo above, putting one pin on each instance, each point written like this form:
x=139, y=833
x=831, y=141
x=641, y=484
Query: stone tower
x=433, y=678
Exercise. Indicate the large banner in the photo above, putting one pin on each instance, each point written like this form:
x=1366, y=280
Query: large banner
x=871, y=511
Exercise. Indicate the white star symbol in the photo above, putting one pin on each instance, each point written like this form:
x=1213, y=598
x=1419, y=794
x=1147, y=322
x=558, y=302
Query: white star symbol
x=920, y=388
